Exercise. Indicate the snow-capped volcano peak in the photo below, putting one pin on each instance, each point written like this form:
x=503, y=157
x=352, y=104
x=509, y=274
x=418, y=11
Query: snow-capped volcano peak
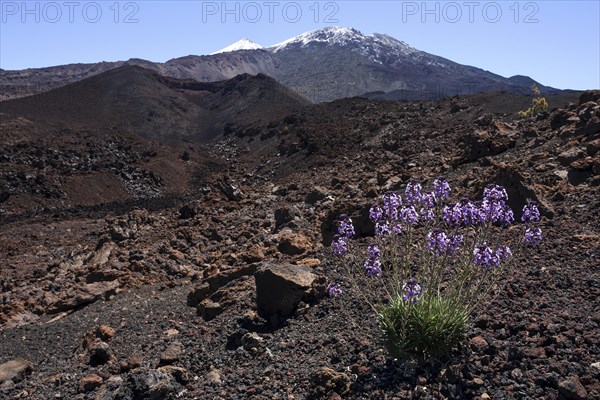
x=244, y=44
x=377, y=47
x=330, y=35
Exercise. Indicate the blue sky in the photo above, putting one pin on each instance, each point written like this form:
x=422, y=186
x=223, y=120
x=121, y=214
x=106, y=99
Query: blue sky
x=555, y=42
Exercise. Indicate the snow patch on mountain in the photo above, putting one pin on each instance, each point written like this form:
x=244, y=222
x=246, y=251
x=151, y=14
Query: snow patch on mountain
x=379, y=48
x=244, y=44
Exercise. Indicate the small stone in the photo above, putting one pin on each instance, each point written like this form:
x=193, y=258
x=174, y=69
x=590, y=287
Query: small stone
x=595, y=367
x=561, y=173
x=15, y=370
x=568, y=156
x=251, y=340
x=187, y=212
x=478, y=343
x=89, y=383
x=309, y=262
x=132, y=362
x=572, y=389
x=536, y=352
x=100, y=353
x=315, y=195
x=198, y=294
x=478, y=382
x=232, y=192
x=171, y=332
x=105, y=332
x=283, y=216
x=485, y=396
x=214, y=376
x=171, y=354
x=209, y=309
x=326, y=380
x=180, y=374
x=516, y=374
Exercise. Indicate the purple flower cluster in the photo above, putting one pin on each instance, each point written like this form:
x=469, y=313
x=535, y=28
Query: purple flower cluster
x=375, y=213
x=441, y=189
x=412, y=289
x=413, y=192
x=391, y=202
x=531, y=214
x=345, y=232
x=533, y=235
x=492, y=209
x=346, y=229
x=486, y=257
x=463, y=213
x=409, y=215
x=383, y=229
x=340, y=245
x=495, y=193
x=373, y=263
x=440, y=243
x=418, y=206
x=334, y=289
x=427, y=203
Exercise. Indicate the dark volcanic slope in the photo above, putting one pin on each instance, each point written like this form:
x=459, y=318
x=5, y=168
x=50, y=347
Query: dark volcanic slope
x=153, y=107
x=539, y=338
x=122, y=136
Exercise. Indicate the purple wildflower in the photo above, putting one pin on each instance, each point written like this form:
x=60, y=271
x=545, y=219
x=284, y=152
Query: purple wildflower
x=334, y=289
x=340, y=245
x=412, y=289
x=373, y=266
x=409, y=215
x=495, y=211
x=462, y=213
x=373, y=251
x=440, y=243
x=375, y=213
x=485, y=256
x=427, y=202
x=533, y=236
x=391, y=202
x=382, y=229
x=530, y=213
x=346, y=229
x=456, y=241
x=413, y=192
x=495, y=193
x=503, y=253
x=441, y=189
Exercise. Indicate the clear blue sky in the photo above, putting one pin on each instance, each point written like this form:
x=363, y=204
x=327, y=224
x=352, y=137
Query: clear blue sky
x=555, y=42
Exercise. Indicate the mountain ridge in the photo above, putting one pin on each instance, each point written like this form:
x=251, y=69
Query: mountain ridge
x=321, y=65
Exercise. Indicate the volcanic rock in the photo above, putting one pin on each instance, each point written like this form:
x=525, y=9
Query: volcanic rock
x=572, y=389
x=293, y=243
x=90, y=382
x=171, y=354
x=281, y=287
x=15, y=370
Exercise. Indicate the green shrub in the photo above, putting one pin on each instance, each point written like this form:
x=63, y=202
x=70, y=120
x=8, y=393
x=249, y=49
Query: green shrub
x=538, y=104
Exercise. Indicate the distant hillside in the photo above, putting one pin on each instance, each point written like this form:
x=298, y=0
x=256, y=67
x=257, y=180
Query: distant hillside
x=154, y=107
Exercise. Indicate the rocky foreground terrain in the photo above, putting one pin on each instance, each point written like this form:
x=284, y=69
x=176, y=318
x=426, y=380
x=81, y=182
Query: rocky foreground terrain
x=201, y=274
